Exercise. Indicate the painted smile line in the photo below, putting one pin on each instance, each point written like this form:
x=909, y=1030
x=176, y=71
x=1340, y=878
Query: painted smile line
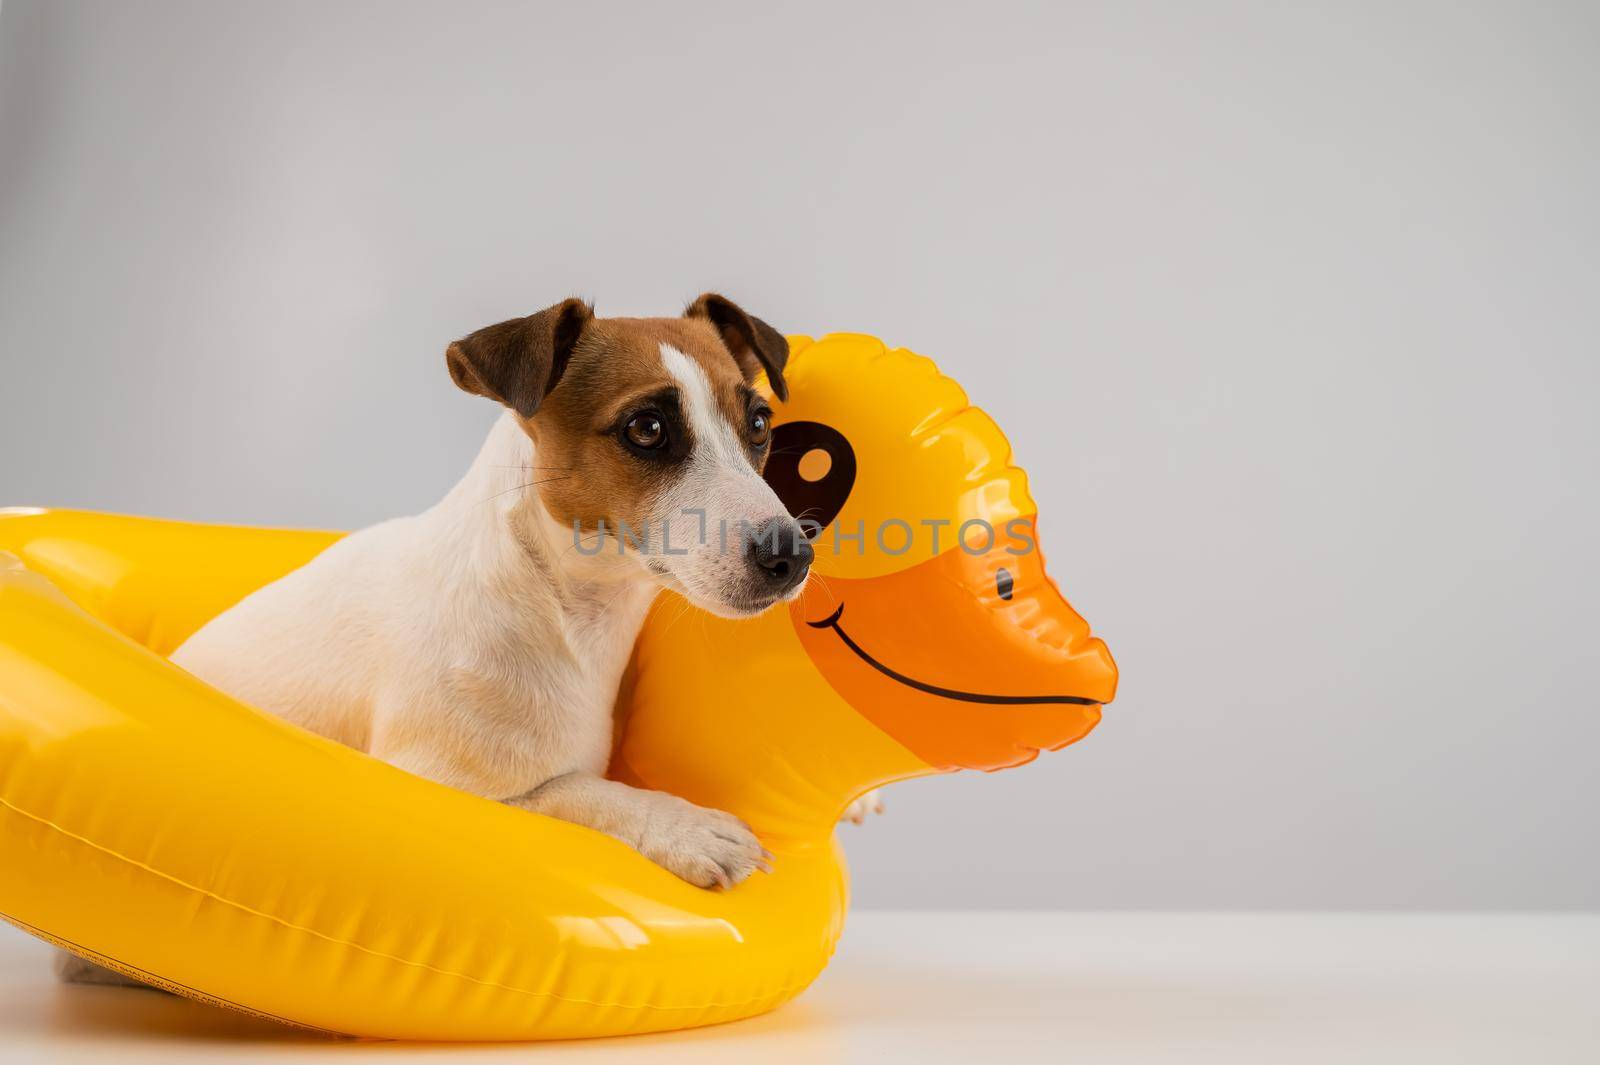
x=832, y=622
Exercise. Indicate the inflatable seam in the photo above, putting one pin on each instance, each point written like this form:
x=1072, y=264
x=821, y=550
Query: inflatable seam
x=789, y=989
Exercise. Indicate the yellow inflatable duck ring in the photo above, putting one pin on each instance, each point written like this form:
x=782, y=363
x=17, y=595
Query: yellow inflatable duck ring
x=154, y=825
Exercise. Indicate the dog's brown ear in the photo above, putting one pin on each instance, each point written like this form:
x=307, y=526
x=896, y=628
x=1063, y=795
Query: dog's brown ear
x=518, y=362
x=755, y=345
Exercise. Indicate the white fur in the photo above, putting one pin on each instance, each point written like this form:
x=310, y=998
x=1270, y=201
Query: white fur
x=717, y=499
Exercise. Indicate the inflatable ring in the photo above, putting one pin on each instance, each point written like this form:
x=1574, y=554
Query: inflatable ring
x=152, y=824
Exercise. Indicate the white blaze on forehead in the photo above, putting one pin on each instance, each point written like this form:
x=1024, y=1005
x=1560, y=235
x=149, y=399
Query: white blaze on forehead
x=714, y=501
x=711, y=428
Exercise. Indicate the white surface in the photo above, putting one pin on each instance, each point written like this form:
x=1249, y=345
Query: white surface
x=1014, y=987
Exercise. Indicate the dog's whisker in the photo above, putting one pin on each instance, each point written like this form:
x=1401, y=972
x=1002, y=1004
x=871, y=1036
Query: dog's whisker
x=584, y=541
x=683, y=608
x=521, y=487
x=524, y=466
x=623, y=588
x=822, y=582
x=598, y=534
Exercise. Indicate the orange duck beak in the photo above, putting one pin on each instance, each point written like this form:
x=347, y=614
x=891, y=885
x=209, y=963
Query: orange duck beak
x=969, y=660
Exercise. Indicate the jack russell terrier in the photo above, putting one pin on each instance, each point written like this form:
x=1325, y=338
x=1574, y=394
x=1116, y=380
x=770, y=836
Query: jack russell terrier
x=481, y=643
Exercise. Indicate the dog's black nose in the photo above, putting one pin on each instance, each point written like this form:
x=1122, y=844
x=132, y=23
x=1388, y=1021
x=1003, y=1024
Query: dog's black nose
x=780, y=550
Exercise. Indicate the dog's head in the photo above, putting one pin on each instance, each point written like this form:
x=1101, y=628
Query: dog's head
x=651, y=435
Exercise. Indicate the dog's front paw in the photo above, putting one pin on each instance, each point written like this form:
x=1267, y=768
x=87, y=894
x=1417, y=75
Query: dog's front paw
x=870, y=803
x=708, y=848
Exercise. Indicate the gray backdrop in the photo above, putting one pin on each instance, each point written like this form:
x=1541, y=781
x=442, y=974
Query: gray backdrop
x=1291, y=315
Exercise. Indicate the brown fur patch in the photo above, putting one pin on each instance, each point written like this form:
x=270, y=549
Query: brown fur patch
x=754, y=344
x=615, y=365
x=518, y=362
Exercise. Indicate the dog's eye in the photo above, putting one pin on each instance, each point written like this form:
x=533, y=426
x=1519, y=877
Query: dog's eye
x=760, y=427
x=645, y=431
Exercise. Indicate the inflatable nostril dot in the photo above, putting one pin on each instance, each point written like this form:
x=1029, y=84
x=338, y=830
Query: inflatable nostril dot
x=1003, y=583
x=815, y=464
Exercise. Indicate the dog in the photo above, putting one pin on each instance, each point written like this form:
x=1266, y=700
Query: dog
x=481, y=643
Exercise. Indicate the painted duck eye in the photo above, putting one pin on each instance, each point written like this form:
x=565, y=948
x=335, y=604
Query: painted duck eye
x=760, y=427
x=645, y=431
x=1003, y=583
x=812, y=467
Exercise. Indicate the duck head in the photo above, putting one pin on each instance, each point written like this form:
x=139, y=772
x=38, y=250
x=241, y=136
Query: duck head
x=929, y=637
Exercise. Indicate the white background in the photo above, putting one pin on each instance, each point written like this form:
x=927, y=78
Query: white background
x=1290, y=311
